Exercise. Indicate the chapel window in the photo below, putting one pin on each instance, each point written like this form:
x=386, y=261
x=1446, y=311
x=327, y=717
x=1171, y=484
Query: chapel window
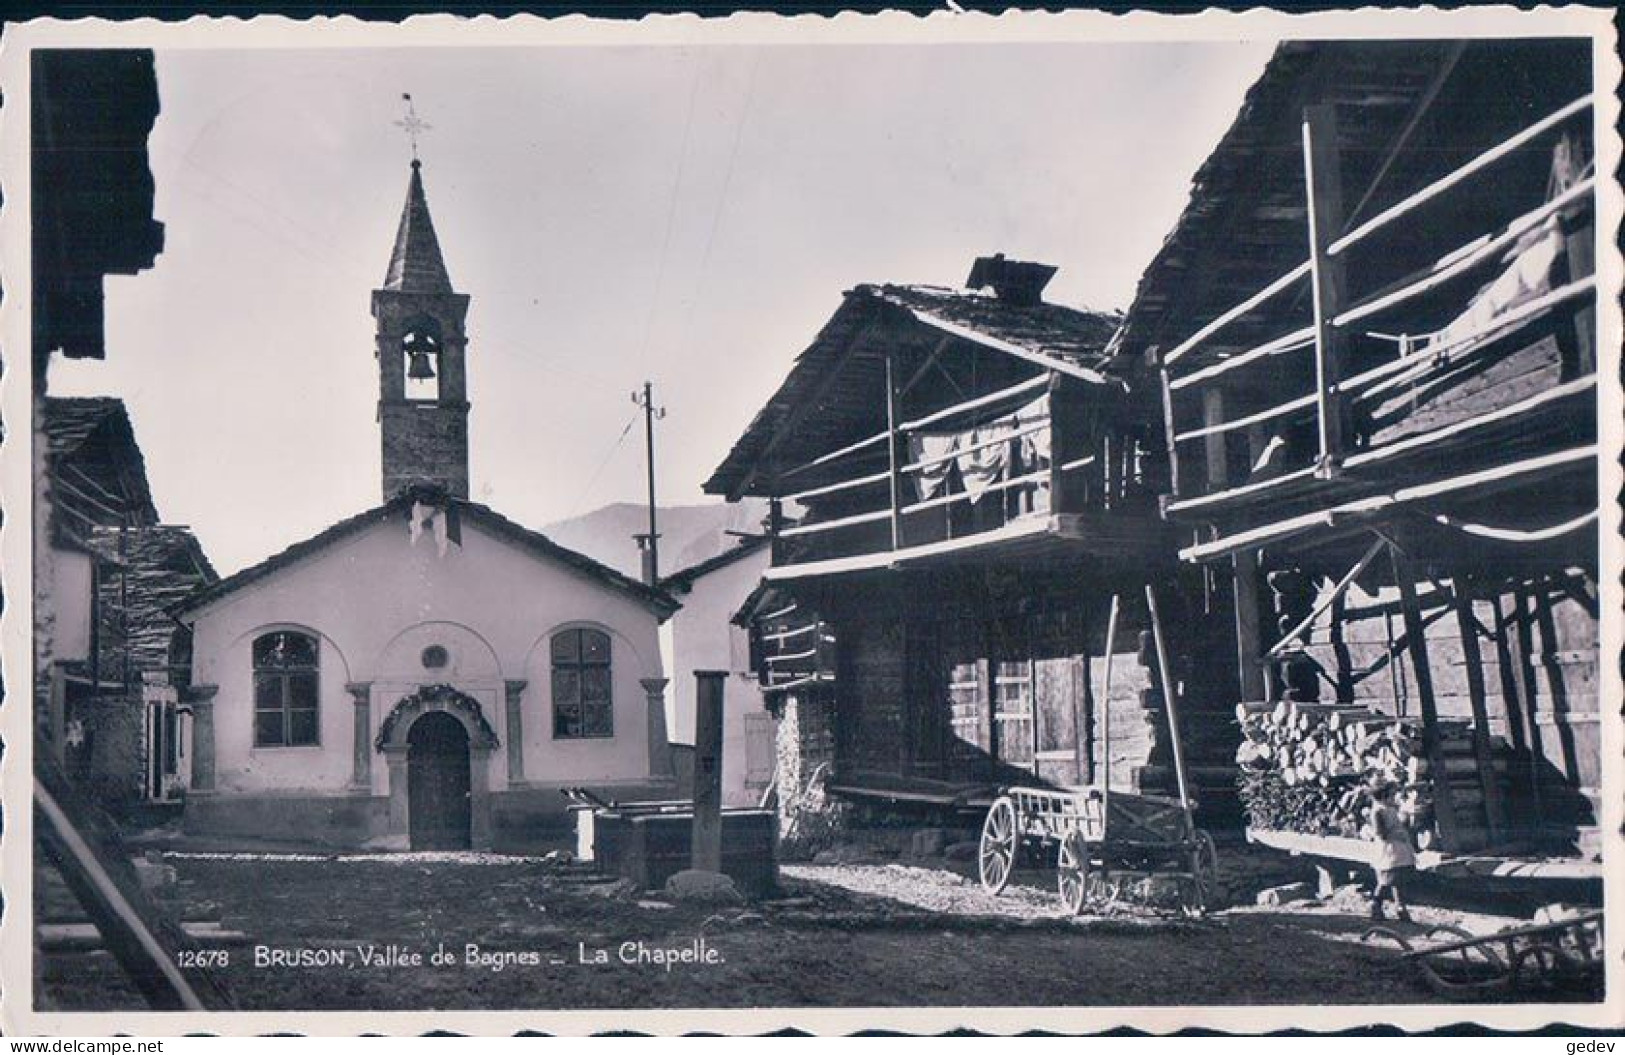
x=581, y=685
x=286, y=675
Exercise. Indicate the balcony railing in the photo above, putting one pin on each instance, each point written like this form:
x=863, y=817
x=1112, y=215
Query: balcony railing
x=1028, y=450
x=1349, y=383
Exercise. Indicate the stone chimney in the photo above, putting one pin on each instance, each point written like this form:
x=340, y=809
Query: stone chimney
x=1012, y=281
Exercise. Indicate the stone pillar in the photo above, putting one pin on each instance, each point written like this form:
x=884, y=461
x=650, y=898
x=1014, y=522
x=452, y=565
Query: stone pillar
x=660, y=764
x=515, y=690
x=201, y=697
x=479, y=798
x=706, y=849
x=361, y=765
x=396, y=759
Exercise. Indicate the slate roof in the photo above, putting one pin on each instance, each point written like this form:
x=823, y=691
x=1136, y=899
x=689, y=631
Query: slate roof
x=683, y=581
x=94, y=435
x=841, y=374
x=415, y=264
x=397, y=508
x=1052, y=330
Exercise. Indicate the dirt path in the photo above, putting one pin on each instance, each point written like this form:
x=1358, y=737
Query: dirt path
x=342, y=933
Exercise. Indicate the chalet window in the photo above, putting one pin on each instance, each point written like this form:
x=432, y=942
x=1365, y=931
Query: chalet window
x=582, y=705
x=286, y=677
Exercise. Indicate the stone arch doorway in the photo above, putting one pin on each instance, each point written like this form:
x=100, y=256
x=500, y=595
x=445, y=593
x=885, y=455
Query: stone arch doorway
x=438, y=793
x=439, y=776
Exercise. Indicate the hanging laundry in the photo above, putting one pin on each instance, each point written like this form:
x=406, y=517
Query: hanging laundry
x=1528, y=275
x=935, y=448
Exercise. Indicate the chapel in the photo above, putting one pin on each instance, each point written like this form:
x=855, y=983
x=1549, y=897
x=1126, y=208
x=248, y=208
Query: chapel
x=426, y=674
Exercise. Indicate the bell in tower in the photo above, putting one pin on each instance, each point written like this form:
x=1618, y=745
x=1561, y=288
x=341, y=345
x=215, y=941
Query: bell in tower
x=423, y=391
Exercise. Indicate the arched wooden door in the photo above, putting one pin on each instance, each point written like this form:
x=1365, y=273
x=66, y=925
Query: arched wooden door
x=437, y=783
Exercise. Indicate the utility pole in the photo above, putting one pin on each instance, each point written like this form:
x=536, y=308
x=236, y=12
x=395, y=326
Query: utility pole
x=650, y=543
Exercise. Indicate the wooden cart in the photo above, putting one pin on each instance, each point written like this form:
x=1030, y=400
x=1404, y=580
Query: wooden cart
x=1099, y=839
x=1100, y=836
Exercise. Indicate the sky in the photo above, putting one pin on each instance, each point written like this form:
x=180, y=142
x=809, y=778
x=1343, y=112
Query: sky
x=686, y=215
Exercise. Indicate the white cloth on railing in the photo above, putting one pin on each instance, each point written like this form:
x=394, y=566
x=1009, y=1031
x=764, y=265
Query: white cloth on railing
x=983, y=459
x=933, y=447
x=1528, y=275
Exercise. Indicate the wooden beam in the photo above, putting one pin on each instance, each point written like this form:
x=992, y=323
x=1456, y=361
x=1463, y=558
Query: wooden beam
x=1444, y=803
x=1269, y=292
x=812, y=402
x=1324, y=181
x=1169, y=692
x=1214, y=444
x=1330, y=599
x=925, y=368
x=1168, y=429
x=1477, y=164
x=1365, y=508
x=1049, y=362
x=1106, y=710
x=1446, y=65
x=1244, y=597
x=1473, y=661
x=127, y=934
x=1509, y=657
x=893, y=473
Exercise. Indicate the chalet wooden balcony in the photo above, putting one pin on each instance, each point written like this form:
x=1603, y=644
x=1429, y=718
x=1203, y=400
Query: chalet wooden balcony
x=1023, y=472
x=1436, y=354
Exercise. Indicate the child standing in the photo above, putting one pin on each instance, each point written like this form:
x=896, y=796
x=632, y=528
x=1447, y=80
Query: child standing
x=1396, y=860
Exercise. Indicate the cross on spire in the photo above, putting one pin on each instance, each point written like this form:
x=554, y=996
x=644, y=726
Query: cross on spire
x=412, y=124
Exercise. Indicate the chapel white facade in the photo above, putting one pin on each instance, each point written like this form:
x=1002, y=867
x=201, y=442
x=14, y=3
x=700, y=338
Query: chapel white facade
x=426, y=674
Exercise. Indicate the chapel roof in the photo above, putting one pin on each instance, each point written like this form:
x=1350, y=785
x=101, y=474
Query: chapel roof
x=399, y=508
x=415, y=264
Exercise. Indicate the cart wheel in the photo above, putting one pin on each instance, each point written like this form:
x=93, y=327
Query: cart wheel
x=1204, y=871
x=996, y=857
x=1072, y=873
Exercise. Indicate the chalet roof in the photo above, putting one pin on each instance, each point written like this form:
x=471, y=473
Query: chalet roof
x=838, y=374
x=1407, y=112
x=92, y=437
x=397, y=508
x=683, y=581
x=1041, y=328
x=415, y=265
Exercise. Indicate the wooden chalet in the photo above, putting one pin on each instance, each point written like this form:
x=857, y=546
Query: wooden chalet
x=959, y=480
x=109, y=710
x=1375, y=325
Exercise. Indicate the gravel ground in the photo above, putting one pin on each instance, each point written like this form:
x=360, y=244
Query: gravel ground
x=893, y=933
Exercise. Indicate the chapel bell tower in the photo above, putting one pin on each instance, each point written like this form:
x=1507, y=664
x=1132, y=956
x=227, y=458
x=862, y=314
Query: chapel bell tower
x=423, y=386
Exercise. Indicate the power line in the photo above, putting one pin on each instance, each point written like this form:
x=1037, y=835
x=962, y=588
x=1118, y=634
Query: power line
x=581, y=502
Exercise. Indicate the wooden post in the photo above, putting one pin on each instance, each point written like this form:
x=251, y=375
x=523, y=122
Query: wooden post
x=1106, y=710
x=1509, y=657
x=1168, y=424
x=1473, y=661
x=706, y=846
x=893, y=471
x=1214, y=444
x=775, y=524
x=1244, y=596
x=1323, y=177
x=1168, y=694
x=1444, y=805
x=1064, y=431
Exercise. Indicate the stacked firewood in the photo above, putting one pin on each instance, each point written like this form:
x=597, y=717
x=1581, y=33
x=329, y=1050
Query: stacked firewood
x=1310, y=767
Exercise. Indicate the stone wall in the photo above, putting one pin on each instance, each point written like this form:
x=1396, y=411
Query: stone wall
x=809, y=818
